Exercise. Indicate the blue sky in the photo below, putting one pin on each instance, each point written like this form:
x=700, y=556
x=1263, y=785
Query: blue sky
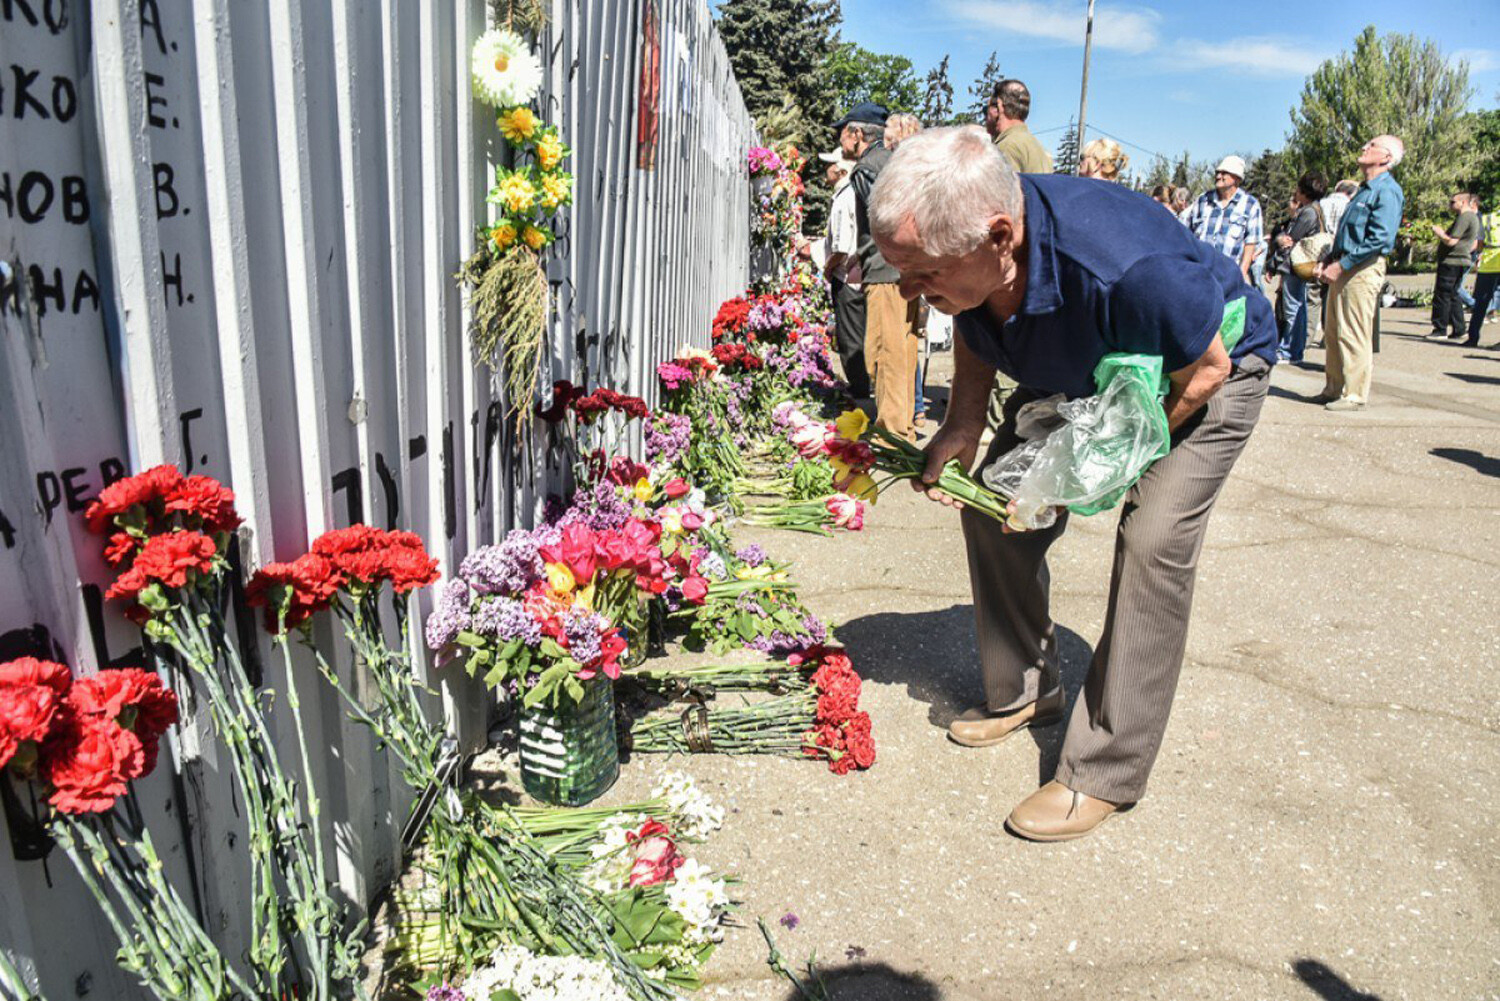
x=1209, y=78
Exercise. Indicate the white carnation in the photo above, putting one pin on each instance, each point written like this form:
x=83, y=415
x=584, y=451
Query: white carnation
x=505, y=73
x=699, y=815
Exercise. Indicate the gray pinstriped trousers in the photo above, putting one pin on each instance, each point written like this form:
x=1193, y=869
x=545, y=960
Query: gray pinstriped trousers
x=1116, y=726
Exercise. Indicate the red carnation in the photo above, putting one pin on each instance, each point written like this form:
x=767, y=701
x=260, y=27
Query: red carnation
x=307, y=585
x=338, y=541
x=121, y=546
x=563, y=394
x=26, y=714
x=122, y=495
x=88, y=760
x=31, y=671
x=626, y=472
x=166, y=559
x=588, y=408
x=205, y=498
x=135, y=700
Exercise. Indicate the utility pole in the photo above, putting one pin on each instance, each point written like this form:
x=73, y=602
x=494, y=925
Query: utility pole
x=1083, y=100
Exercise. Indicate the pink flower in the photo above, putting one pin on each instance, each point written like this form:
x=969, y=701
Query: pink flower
x=811, y=439
x=847, y=512
x=656, y=855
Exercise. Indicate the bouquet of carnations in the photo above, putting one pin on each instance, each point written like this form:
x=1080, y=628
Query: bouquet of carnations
x=543, y=611
x=855, y=447
x=822, y=719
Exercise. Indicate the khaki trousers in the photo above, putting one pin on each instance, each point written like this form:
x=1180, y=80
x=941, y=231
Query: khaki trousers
x=1117, y=723
x=892, y=346
x=1349, y=333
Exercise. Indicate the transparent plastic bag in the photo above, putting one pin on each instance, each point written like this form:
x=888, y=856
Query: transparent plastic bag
x=1085, y=454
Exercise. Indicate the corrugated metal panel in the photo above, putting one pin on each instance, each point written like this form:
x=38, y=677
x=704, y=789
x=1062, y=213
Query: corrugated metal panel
x=236, y=228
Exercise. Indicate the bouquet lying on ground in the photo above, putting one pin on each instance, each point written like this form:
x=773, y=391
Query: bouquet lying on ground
x=749, y=602
x=855, y=447
x=820, y=719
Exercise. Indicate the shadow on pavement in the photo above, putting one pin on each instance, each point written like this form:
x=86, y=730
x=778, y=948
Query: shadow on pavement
x=934, y=655
x=1482, y=357
x=873, y=982
x=1479, y=380
x=1287, y=394
x=1485, y=465
x=1327, y=984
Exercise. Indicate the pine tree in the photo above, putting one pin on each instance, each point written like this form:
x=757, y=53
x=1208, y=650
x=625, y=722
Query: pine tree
x=1065, y=160
x=983, y=88
x=779, y=49
x=937, y=103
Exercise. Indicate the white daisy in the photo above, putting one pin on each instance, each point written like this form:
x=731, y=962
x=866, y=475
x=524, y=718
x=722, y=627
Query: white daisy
x=504, y=71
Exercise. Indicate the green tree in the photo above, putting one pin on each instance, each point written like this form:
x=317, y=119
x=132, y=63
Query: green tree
x=861, y=75
x=1485, y=179
x=1065, y=158
x=1160, y=172
x=1271, y=178
x=778, y=51
x=937, y=102
x=1397, y=84
x=982, y=87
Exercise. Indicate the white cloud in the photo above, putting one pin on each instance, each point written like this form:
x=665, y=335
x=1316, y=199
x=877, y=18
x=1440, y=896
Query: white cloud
x=1256, y=56
x=1480, y=60
x=1130, y=29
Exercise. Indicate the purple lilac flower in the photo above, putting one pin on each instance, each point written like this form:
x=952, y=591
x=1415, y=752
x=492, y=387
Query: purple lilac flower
x=599, y=508
x=667, y=438
x=789, y=921
x=765, y=315
x=451, y=616
x=752, y=555
x=711, y=565
x=445, y=992
x=508, y=568
x=507, y=619
x=585, y=632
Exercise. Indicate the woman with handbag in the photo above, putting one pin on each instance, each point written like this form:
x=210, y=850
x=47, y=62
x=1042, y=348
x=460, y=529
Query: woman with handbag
x=1296, y=252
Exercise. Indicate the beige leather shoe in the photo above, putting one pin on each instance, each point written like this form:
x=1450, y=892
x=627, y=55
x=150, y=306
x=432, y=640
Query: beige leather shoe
x=978, y=727
x=1056, y=813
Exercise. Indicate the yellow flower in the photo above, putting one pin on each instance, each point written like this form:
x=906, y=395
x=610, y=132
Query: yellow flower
x=643, y=489
x=585, y=598
x=535, y=238
x=560, y=578
x=762, y=572
x=840, y=468
x=863, y=487
x=549, y=151
x=516, y=193
x=517, y=124
x=852, y=424
x=556, y=190
x=671, y=521
x=504, y=235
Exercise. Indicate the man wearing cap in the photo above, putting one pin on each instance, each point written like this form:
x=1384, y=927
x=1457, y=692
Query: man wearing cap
x=1045, y=275
x=1354, y=272
x=843, y=274
x=892, y=337
x=1005, y=120
x=1228, y=217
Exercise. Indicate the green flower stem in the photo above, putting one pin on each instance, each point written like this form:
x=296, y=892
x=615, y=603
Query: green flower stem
x=773, y=726
x=902, y=460
x=11, y=980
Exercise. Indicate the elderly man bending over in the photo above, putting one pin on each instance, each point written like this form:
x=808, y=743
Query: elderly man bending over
x=1045, y=275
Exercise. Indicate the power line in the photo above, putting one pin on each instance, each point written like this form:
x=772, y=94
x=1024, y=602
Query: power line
x=1126, y=142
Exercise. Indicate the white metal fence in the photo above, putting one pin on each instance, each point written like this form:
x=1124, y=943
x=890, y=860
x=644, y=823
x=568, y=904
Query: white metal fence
x=231, y=229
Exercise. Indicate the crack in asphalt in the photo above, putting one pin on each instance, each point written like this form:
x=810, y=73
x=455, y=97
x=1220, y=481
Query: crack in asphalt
x=1333, y=703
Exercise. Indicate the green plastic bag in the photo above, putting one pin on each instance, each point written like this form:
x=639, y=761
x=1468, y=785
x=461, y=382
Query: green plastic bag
x=1085, y=454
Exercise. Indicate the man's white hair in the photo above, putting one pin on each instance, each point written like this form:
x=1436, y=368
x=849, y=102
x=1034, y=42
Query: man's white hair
x=951, y=182
x=1397, y=149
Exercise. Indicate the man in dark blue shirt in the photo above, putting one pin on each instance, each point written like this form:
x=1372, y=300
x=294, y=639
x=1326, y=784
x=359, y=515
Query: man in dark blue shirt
x=1045, y=276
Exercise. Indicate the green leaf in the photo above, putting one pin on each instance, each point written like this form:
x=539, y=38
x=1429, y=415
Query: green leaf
x=504, y=994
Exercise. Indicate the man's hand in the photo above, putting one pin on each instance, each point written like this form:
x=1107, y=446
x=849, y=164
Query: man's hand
x=1329, y=273
x=1194, y=384
x=1283, y=241
x=954, y=440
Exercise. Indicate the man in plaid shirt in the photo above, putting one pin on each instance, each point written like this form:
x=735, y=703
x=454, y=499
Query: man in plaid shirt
x=1227, y=217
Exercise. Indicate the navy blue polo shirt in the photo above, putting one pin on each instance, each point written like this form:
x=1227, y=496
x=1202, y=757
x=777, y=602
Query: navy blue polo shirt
x=1108, y=269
